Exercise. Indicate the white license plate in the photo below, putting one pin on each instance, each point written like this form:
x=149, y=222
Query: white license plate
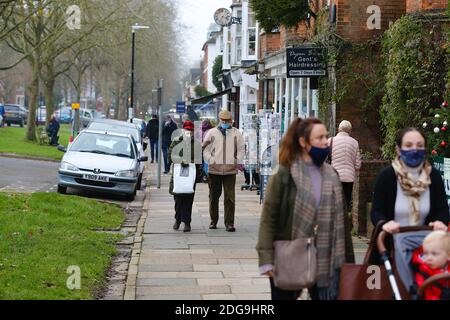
x=95, y=177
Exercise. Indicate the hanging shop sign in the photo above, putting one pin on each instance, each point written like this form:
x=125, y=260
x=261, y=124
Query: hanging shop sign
x=305, y=62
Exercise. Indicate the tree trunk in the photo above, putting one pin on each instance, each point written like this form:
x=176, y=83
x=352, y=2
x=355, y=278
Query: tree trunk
x=33, y=89
x=48, y=93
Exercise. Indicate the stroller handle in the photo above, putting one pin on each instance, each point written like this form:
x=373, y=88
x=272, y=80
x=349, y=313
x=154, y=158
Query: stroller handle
x=382, y=235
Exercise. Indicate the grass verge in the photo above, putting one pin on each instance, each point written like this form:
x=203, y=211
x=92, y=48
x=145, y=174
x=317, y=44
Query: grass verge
x=43, y=234
x=12, y=140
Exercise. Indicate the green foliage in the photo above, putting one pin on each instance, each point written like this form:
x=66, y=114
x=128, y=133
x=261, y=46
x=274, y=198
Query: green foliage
x=217, y=71
x=274, y=13
x=439, y=119
x=201, y=91
x=415, y=73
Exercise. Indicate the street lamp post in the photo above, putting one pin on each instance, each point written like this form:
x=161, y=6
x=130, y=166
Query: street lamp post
x=133, y=31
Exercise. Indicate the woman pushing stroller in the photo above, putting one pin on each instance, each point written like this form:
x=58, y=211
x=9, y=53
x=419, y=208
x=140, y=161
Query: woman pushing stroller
x=410, y=192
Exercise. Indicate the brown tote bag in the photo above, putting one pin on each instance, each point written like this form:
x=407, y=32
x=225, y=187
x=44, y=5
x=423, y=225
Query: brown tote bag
x=354, y=278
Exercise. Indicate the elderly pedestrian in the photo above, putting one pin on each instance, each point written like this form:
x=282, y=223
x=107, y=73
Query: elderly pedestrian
x=304, y=195
x=223, y=150
x=410, y=192
x=183, y=202
x=346, y=159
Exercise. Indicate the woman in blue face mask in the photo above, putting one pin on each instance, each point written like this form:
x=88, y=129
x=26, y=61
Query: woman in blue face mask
x=305, y=193
x=410, y=192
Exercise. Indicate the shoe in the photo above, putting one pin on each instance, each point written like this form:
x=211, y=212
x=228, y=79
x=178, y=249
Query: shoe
x=165, y=172
x=213, y=225
x=176, y=225
x=187, y=227
x=152, y=161
x=230, y=228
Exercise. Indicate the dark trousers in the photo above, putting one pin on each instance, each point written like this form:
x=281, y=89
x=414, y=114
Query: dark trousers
x=183, y=207
x=165, y=151
x=154, y=149
x=347, y=187
x=280, y=294
x=254, y=175
x=215, y=183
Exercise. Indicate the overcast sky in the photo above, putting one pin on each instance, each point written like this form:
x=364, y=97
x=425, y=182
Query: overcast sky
x=196, y=16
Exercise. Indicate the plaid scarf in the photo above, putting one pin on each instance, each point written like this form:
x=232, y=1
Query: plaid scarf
x=329, y=216
x=411, y=187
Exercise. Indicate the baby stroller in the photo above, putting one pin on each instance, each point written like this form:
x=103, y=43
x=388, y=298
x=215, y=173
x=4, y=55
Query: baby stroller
x=392, y=255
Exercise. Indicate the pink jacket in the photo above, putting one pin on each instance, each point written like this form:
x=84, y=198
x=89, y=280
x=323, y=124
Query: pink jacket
x=345, y=157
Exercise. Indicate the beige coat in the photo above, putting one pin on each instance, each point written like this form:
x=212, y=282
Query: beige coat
x=345, y=157
x=223, y=153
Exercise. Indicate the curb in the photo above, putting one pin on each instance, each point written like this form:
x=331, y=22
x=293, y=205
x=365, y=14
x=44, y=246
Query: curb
x=130, y=286
x=25, y=157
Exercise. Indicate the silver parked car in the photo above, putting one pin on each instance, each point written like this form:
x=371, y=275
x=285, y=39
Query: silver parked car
x=109, y=125
x=99, y=161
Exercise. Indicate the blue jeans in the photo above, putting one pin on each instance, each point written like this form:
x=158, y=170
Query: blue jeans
x=165, y=151
x=154, y=149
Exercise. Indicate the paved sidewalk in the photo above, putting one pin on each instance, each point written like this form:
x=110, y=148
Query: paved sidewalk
x=203, y=264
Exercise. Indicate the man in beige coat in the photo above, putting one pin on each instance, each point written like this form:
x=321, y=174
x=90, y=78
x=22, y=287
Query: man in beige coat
x=223, y=150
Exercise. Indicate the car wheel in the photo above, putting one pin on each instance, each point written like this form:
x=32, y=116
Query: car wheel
x=130, y=197
x=139, y=183
x=21, y=123
x=9, y=124
x=62, y=190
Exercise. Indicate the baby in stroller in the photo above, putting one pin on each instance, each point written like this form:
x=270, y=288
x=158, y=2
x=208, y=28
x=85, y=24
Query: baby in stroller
x=433, y=258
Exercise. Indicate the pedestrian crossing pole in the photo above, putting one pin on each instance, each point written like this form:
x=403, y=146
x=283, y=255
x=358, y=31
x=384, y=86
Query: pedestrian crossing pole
x=160, y=113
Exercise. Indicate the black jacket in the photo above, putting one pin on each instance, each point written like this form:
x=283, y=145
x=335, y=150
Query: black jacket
x=167, y=133
x=153, y=129
x=385, y=195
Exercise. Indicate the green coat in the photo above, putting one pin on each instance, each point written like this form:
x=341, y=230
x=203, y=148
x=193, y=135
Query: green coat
x=277, y=214
x=178, y=158
x=277, y=217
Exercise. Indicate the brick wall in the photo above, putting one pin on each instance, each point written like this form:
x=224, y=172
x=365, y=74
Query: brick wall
x=352, y=17
x=423, y=5
x=363, y=194
x=269, y=43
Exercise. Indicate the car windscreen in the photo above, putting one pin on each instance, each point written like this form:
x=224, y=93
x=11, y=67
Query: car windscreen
x=11, y=108
x=115, y=128
x=103, y=144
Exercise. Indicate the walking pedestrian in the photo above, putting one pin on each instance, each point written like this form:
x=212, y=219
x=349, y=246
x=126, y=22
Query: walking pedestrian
x=169, y=127
x=183, y=202
x=346, y=159
x=52, y=130
x=153, y=135
x=410, y=192
x=305, y=193
x=223, y=150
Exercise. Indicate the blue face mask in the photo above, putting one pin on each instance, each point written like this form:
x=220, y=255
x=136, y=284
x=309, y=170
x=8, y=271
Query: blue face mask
x=225, y=125
x=319, y=155
x=413, y=158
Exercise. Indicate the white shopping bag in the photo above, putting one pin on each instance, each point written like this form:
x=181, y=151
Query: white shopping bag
x=183, y=178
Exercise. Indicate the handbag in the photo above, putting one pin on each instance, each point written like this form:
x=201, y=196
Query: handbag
x=355, y=278
x=295, y=263
x=184, y=178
